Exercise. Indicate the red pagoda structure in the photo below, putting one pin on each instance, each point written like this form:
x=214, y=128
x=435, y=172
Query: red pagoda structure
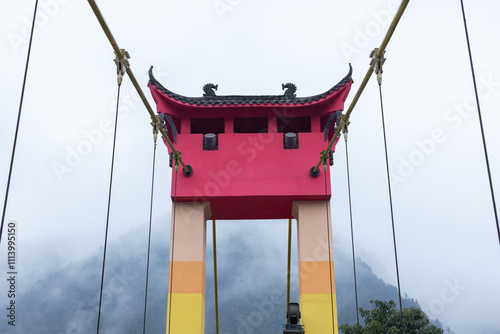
x=250, y=158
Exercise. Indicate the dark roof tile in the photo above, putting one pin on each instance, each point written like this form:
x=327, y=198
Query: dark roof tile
x=247, y=99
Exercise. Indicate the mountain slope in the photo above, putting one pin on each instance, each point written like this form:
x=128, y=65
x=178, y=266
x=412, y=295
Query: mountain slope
x=252, y=291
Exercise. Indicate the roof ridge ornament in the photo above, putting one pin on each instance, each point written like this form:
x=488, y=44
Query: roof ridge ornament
x=290, y=90
x=211, y=99
x=209, y=89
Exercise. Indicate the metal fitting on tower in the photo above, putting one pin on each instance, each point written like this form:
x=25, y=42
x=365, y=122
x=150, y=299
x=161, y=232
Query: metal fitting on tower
x=376, y=63
x=122, y=64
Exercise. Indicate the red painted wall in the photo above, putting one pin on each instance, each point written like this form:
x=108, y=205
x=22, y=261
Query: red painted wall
x=251, y=176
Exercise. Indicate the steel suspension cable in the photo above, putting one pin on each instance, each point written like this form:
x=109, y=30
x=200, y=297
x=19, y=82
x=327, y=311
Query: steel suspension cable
x=172, y=248
x=214, y=242
x=391, y=207
x=108, y=210
x=149, y=238
x=14, y=145
x=481, y=121
x=289, y=265
x=352, y=236
x=328, y=231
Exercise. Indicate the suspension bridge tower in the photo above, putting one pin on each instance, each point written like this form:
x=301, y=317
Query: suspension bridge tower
x=250, y=158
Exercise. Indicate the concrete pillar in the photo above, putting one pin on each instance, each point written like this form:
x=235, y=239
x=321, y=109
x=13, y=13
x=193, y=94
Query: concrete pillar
x=186, y=313
x=318, y=302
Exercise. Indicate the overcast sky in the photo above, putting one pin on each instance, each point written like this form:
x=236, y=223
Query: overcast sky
x=447, y=243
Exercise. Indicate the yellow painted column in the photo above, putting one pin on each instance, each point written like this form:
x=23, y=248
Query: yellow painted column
x=318, y=302
x=186, y=299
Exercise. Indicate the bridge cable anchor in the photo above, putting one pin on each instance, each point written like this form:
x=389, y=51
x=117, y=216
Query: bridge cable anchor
x=177, y=161
x=324, y=161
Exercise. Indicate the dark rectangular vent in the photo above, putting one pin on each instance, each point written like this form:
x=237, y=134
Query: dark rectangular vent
x=250, y=125
x=207, y=125
x=294, y=124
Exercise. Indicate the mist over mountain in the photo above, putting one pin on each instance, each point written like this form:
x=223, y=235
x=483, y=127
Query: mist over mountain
x=252, y=291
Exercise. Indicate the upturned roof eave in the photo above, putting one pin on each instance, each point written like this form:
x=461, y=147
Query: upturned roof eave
x=248, y=100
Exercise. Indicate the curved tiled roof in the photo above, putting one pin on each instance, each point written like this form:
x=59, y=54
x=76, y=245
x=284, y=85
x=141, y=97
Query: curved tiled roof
x=248, y=99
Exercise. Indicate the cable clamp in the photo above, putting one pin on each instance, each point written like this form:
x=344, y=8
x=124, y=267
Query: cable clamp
x=344, y=124
x=177, y=159
x=376, y=63
x=122, y=64
x=163, y=123
x=324, y=159
x=156, y=123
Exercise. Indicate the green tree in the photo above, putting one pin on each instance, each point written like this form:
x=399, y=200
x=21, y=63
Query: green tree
x=385, y=319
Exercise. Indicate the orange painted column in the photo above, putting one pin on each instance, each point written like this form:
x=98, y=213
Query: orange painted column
x=318, y=302
x=186, y=299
